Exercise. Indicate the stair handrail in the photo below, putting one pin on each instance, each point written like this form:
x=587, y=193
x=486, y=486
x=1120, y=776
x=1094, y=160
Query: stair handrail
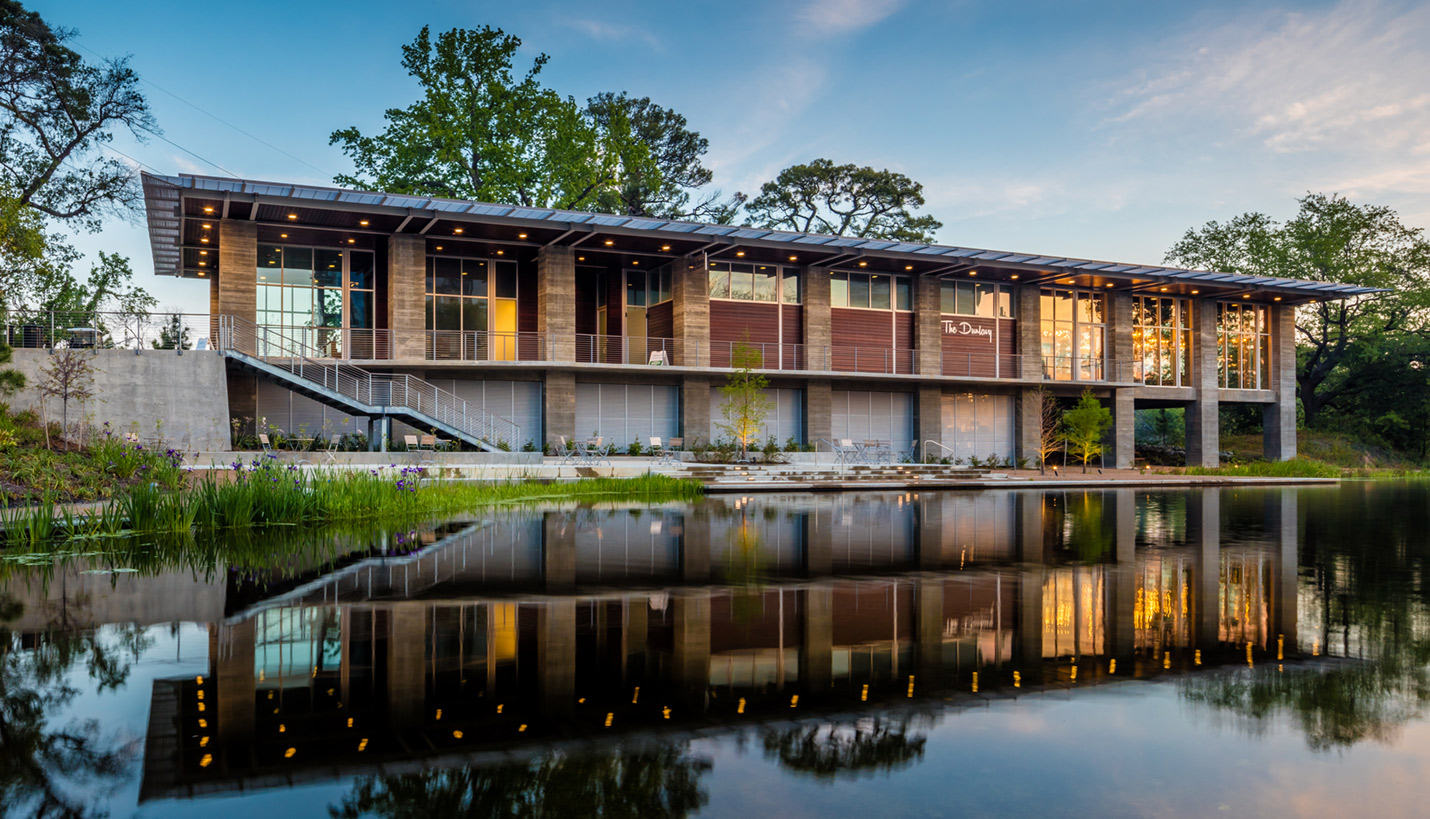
x=357, y=383
x=938, y=444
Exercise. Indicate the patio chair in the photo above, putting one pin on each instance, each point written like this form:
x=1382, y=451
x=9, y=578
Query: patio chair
x=910, y=455
x=264, y=442
x=565, y=451
x=428, y=443
x=597, y=451
x=662, y=453
x=330, y=454
x=410, y=441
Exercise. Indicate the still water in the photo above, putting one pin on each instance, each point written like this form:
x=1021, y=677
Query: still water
x=1122, y=653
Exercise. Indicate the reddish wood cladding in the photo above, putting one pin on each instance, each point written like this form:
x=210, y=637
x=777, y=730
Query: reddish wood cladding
x=585, y=303
x=904, y=334
x=966, y=353
x=852, y=327
x=615, y=302
x=733, y=320
x=793, y=330
x=660, y=321
x=1008, y=348
x=526, y=298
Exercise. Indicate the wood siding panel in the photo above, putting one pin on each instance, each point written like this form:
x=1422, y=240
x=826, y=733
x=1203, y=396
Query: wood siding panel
x=526, y=298
x=905, y=337
x=660, y=320
x=967, y=354
x=585, y=303
x=756, y=323
x=1008, y=348
x=793, y=330
x=863, y=341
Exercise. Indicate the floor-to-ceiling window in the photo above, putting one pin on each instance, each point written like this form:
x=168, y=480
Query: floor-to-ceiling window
x=316, y=301
x=471, y=309
x=1074, y=334
x=1162, y=341
x=1243, y=346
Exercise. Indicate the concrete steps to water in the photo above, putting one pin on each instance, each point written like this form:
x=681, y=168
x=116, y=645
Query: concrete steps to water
x=830, y=476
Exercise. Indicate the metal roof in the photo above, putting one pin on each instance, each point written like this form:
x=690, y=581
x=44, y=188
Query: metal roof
x=162, y=202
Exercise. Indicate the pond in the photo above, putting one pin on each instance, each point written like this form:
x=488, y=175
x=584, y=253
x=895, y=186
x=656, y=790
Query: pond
x=1113, y=653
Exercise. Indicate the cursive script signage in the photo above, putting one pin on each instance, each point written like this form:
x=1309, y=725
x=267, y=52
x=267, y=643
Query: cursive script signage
x=965, y=328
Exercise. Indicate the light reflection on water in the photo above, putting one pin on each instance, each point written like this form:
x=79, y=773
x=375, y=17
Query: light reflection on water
x=871, y=653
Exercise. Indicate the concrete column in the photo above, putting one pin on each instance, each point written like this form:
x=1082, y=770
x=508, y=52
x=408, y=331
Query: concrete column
x=406, y=664
x=1283, y=513
x=1029, y=421
x=1120, y=441
x=1029, y=520
x=695, y=410
x=690, y=650
x=816, y=645
x=818, y=411
x=559, y=396
x=818, y=557
x=930, y=541
x=1121, y=577
x=237, y=281
x=556, y=655
x=1204, y=535
x=690, y=307
x=1278, y=420
x=930, y=416
x=817, y=330
x=636, y=624
x=928, y=330
x=695, y=548
x=233, y=697
x=406, y=286
x=556, y=301
x=558, y=552
x=1203, y=423
x=928, y=626
x=1119, y=327
x=1030, y=333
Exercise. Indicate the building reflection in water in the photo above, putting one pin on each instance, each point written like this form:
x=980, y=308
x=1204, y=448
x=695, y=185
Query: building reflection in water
x=532, y=628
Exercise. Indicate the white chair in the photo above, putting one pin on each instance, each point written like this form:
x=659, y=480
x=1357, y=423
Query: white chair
x=263, y=442
x=330, y=455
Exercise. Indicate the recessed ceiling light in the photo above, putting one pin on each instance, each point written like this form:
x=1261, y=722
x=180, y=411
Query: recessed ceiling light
x=352, y=241
x=456, y=230
x=204, y=239
x=908, y=267
x=363, y=223
x=739, y=253
x=580, y=258
x=1163, y=289
x=1194, y=292
x=521, y=235
x=610, y=242
x=1277, y=298
x=1246, y=295
x=203, y=253
x=637, y=261
x=973, y=272
x=439, y=247
x=501, y=252
x=201, y=272
x=1014, y=276
x=1109, y=284
x=863, y=264
x=206, y=227
x=292, y=216
x=203, y=264
x=665, y=247
x=283, y=236
x=208, y=208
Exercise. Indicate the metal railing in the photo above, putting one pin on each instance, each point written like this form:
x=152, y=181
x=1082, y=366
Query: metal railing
x=105, y=330
x=1085, y=368
x=764, y=355
x=276, y=348
x=980, y=365
x=462, y=345
x=643, y=350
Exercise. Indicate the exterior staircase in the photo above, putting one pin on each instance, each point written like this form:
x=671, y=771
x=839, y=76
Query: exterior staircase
x=278, y=357
x=804, y=476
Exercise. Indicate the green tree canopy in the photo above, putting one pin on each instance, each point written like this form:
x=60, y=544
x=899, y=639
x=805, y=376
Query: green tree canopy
x=1329, y=240
x=481, y=132
x=1084, y=425
x=845, y=200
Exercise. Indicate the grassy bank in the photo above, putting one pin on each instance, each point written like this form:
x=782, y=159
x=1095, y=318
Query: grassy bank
x=35, y=468
x=264, y=493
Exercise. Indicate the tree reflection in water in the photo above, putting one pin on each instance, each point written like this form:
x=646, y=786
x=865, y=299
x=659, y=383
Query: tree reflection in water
x=48, y=770
x=659, y=782
x=878, y=744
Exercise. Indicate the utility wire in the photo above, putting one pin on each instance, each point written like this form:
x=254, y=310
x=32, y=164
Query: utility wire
x=219, y=119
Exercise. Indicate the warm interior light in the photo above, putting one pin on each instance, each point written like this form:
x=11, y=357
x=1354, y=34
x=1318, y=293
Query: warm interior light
x=739, y=253
x=863, y=264
x=610, y=242
x=456, y=230
x=908, y=267
x=363, y=223
x=292, y=216
x=208, y=208
x=1014, y=276
x=521, y=235
x=1278, y=298
x=204, y=239
x=283, y=236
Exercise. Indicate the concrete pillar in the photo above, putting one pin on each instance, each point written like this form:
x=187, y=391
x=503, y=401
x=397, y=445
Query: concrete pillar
x=1121, y=577
x=930, y=417
x=232, y=698
x=1030, y=334
x=1203, y=423
x=690, y=649
x=928, y=329
x=1119, y=327
x=1204, y=535
x=636, y=624
x=1029, y=421
x=816, y=645
x=695, y=547
x=817, y=331
x=818, y=411
x=556, y=655
x=406, y=284
x=695, y=410
x=1278, y=420
x=1283, y=514
x=406, y=664
x=559, y=396
x=1029, y=520
x=930, y=533
x=237, y=281
x=690, y=283
x=558, y=551
x=556, y=301
x=818, y=558
x=1119, y=443
x=928, y=627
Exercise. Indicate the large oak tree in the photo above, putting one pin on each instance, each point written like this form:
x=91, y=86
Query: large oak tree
x=845, y=200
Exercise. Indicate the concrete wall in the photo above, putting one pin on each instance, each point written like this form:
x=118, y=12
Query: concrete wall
x=187, y=395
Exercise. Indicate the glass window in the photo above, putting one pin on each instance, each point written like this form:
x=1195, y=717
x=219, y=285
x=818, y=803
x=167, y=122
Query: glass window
x=447, y=276
x=1074, y=343
x=474, y=277
x=765, y=283
x=947, y=297
x=270, y=258
x=298, y=265
x=742, y=282
x=858, y=290
x=635, y=288
x=789, y=284
x=1005, y=302
x=505, y=280
x=839, y=290
x=903, y=294
x=448, y=313
x=879, y=292
x=1160, y=342
x=964, y=305
x=719, y=282
x=360, y=309
x=474, y=315
x=663, y=284
x=360, y=269
x=328, y=268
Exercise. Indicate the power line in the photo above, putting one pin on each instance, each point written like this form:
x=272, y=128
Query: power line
x=219, y=119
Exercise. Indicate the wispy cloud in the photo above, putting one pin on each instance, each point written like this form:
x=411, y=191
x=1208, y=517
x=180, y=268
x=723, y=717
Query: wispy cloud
x=842, y=16
x=614, y=32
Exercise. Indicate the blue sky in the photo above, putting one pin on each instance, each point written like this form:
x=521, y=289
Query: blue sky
x=1092, y=129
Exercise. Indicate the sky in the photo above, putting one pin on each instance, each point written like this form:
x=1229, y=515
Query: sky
x=1099, y=130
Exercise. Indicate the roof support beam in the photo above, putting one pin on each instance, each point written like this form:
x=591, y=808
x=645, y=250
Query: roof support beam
x=430, y=224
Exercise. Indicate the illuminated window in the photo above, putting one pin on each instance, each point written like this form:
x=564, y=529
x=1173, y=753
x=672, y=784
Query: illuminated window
x=1243, y=346
x=1161, y=341
x=754, y=282
x=315, y=298
x=1074, y=335
x=873, y=291
x=471, y=309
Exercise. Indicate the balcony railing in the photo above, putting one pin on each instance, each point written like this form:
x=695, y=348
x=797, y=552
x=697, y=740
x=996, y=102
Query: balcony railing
x=594, y=349
x=459, y=345
x=981, y=365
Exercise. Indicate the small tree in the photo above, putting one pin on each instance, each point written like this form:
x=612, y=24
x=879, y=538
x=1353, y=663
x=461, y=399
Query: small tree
x=745, y=404
x=173, y=335
x=1050, y=427
x=10, y=380
x=69, y=377
x=1084, y=426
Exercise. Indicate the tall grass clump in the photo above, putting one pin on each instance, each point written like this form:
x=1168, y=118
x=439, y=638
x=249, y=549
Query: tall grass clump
x=1294, y=468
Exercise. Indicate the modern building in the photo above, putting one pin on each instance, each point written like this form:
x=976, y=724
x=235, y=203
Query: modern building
x=510, y=325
